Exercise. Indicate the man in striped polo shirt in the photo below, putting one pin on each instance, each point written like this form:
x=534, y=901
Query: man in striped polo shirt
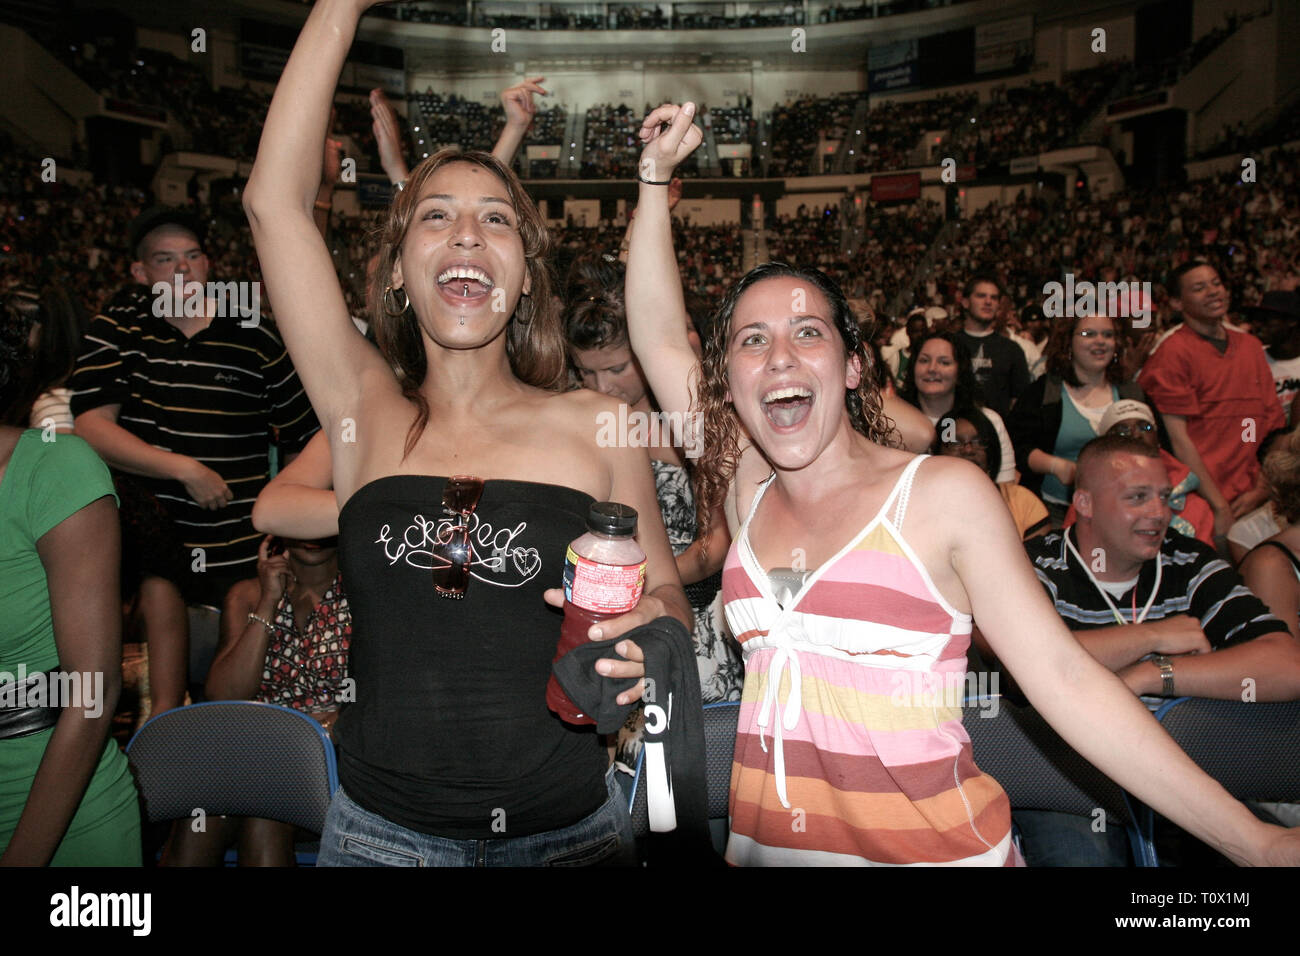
x=1161, y=610
x=187, y=394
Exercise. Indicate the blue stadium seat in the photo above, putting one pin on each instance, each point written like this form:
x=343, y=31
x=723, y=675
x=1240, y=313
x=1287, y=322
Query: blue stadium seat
x=238, y=758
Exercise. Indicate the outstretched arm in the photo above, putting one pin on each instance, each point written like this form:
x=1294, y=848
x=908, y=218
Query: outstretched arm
x=520, y=109
x=388, y=136
x=299, y=502
x=334, y=362
x=656, y=309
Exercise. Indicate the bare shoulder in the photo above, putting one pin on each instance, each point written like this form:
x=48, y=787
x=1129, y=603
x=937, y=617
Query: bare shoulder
x=242, y=596
x=1261, y=560
x=587, y=415
x=950, y=489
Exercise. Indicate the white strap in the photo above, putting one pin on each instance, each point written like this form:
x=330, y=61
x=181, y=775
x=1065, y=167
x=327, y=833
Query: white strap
x=903, y=491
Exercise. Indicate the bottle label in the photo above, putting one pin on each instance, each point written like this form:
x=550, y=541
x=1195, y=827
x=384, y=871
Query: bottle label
x=602, y=588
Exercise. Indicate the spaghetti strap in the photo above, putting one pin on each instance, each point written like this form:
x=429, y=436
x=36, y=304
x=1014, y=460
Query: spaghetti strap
x=902, y=491
x=1285, y=550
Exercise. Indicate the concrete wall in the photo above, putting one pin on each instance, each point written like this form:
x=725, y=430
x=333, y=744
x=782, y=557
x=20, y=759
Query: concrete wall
x=44, y=102
x=1238, y=81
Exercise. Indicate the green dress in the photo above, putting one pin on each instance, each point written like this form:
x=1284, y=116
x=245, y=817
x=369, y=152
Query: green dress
x=44, y=484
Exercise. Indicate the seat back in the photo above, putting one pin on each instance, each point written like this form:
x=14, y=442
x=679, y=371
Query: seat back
x=1037, y=769
x=235, y=757
x=720, y=722
x=1253, y=749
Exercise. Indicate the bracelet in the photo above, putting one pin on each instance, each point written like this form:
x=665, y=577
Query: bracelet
x=322, y=204
x=399, y=184
x=263, y=621
x=1166, y=674
x=651, y=182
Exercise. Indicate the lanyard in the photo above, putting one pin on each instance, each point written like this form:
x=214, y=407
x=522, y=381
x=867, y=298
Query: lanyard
x=1102, y=591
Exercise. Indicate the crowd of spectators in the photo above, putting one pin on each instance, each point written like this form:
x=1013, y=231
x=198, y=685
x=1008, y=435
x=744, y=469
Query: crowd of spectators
x=610, y=146
x=1250, y=229
x=733, y=124
x=645, y=16
x=453, y=120
x=798, y=127
x=881, y=266
x=893, y=130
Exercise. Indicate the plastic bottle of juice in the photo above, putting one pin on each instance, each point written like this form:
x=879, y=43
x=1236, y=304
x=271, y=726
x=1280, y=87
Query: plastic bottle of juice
x=604, y=574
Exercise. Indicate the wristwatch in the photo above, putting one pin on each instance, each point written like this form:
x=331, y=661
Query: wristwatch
x=1166, y=674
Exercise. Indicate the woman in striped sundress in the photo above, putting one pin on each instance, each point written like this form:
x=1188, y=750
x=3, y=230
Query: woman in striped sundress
x=855, y=573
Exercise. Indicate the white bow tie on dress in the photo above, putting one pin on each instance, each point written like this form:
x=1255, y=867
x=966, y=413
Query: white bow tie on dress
x=785, y=657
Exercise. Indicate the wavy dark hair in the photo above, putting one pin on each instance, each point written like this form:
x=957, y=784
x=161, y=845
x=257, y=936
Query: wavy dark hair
x=967, y=392
x=534, y=336
x=947, y=425
x=721, y=440
x=1058, y=353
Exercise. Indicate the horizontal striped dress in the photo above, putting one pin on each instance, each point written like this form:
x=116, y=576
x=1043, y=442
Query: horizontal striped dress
x=850, y=749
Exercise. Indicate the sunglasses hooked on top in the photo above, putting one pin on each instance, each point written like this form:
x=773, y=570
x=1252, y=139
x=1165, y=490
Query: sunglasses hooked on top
x=453, y=551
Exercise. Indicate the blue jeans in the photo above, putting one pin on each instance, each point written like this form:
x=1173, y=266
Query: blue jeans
x=354, y=836
x=1063, y=839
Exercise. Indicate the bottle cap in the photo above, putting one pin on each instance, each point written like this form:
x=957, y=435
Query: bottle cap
x=610, y=517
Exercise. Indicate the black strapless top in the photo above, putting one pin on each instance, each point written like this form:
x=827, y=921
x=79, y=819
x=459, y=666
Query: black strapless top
x=450, y=728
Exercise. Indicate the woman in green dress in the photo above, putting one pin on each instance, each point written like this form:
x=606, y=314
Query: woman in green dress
x=66, y=795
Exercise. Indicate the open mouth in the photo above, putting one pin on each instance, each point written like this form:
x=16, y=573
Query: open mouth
x=464, y=282
x=787, y=407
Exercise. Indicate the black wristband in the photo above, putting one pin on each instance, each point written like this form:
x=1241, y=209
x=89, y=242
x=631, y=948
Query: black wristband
x=651, y=182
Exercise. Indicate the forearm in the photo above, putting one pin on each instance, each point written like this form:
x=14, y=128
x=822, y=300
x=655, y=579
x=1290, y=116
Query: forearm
x=1117, y=734
x=66, y=767
x=656, y=309
x=1041, y=462
x=126, y=452
x=508, y=144
x=287, y=173
x=1185, y=451
x=296, y=511
x=236, y=673
x=1117, y=646
x=692, y=566
x=1269, y=667
x=675, y=603
x=913, y=427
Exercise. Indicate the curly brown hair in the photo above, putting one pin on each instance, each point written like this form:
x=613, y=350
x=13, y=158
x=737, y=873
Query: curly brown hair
x=1282, y=475
x=1058, y=353
x=721, y=455
x=534, y=335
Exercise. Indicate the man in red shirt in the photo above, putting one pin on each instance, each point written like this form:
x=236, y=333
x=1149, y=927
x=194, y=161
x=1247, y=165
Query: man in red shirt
x=1214, y=390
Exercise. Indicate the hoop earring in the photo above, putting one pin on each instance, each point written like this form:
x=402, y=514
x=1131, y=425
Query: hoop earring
x=390, y=297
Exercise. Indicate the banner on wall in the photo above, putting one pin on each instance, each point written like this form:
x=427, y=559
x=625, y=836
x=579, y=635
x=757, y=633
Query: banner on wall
x=1004, y=44
x=892, y=66
x=895, y=186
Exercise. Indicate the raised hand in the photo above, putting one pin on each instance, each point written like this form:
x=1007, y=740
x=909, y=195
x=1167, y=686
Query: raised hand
x=670, y=135
x=388, y=136
x=519, y=104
